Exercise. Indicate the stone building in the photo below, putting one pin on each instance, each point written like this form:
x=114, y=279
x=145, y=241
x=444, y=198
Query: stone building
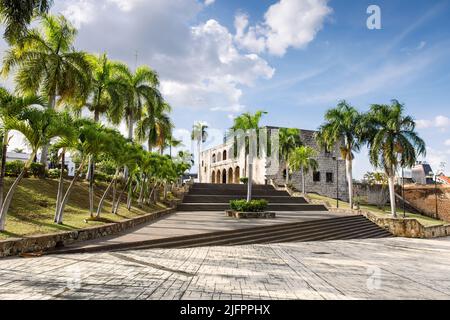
x=219, y=165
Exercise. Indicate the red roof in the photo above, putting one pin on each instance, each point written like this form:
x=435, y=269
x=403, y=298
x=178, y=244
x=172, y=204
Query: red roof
x=445, y=179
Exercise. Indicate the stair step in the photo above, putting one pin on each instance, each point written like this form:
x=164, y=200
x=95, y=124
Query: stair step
x=227, y=198
x=271, y=207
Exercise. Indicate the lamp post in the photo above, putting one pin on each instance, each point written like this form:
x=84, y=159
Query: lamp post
x=337, y=181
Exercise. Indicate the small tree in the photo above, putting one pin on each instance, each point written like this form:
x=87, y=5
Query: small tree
x=302, y=159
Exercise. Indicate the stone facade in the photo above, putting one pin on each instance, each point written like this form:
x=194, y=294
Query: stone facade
x=218, y=165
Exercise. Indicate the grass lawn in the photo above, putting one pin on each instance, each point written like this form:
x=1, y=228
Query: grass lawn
x=33, y=208
x=425, y=221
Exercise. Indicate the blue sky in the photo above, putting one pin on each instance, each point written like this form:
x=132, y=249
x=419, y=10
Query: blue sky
x=291, y=58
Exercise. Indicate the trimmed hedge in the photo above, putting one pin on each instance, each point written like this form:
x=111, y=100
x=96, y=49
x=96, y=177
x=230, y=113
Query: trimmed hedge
x=252, y=206
x=14, y=168
x=244, y=180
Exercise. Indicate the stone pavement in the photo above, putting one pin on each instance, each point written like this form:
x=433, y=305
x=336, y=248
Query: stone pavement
x=392, y=268
x=190, y=223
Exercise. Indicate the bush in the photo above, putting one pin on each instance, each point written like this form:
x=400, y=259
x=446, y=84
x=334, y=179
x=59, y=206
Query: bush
x=54, y=173
x=14, y=168
x=37, y=170
x=252, y=206
x=244, y=180
x=103, y=177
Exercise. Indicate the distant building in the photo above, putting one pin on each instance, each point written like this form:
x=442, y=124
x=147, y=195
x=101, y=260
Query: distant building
x=422, y=173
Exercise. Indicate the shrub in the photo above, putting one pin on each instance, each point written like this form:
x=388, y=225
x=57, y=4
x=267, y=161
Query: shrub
x=37, y=170
x=252, y=206
x=14, y=168
x=54, y=173
x=103, y=177
x=244, y=180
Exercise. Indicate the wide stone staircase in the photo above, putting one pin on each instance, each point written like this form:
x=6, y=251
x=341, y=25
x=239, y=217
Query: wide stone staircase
x=217, y=197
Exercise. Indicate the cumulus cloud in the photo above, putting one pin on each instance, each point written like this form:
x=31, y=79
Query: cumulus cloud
x=287, y=23
x=199, y=64
x=447, y=142
x=441, y=122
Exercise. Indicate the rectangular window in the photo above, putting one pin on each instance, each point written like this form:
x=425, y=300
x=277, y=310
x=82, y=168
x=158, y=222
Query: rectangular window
x=316, y=177
x=330, y=177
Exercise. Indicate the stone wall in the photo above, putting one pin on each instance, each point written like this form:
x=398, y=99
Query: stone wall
x=424, y=199
x=326, y=165
x=42, y=243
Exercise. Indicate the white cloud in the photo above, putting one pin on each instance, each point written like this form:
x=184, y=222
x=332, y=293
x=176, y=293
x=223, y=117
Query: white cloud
x=209, y=2
x=447, y=142
x=441, y=122
x=200, y=66
x=287, y=23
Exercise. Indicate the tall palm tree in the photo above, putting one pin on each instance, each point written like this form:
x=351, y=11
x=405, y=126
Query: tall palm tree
x=142, y=90
x=106, y=93
x=342, y=127
x=302, y=159
x=38, y=127
x=48, y=64
x=392, y=141
x=11, y=106
x=155, y=127
x=200, y=136
x=17, y=15
x=289, y=140
x=246, y=122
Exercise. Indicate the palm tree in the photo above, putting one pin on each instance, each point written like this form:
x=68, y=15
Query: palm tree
x=17, y=15
x=11, y=106
x=200, y=135
x=38, y=127
x=155, y=127
x=392, y=141
x=172, y=142
x=289, y=140
x=302, y=159
x=142, y=90
x=342, y=127
x=91, y=139
x=48, y=64
x=247, y=122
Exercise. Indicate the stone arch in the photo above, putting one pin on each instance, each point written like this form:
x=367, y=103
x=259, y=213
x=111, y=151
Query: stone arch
x=224, y=156
x=214, y=158
x=218, y=177
x=230, y=176
x=213, y=178
x=237, y=175
x=224, y=176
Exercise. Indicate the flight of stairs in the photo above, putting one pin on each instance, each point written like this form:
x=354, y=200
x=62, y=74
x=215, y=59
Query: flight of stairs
x=346, y=228
x=217, y=197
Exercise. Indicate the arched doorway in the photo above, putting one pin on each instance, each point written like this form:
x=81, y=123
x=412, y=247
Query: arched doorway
x=218, y=178
x=213, y=178
x=224, y=176
x=230, y=176
x=237, y=175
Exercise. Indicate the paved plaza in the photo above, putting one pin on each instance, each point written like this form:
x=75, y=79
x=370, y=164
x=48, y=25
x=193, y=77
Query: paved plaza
x=393, y=268
x=192, y=223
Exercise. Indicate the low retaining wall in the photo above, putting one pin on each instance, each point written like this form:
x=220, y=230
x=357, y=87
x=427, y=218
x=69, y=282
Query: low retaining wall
x=406, y=228
x=40, y=243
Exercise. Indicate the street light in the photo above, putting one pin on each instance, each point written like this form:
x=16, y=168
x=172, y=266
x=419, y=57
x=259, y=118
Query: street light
x=336, y=158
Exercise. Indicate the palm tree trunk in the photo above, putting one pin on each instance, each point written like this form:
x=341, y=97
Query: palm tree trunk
x=10, y=194
x=129, y=196
x=287, y=174
x=3, y=165
x=44, y=153
x=119, y=199
x=349, y=170
x=65, y=199
x=141, y=192
x=303, y=181
x=199, y=161
x=60, y=185
x=250, y=180
x=114, y=196
x=102, y=200
x=391, y=179
x=91, y=187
